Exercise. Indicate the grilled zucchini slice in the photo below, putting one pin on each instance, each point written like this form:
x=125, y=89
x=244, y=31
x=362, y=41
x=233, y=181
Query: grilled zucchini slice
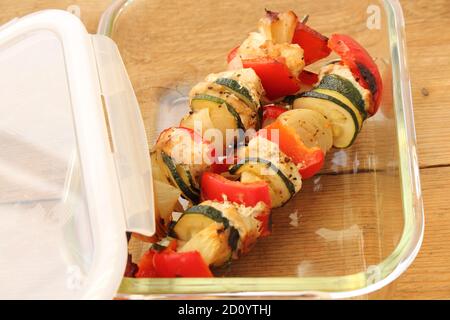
x=223, y=115
x=244, y=83
x=345, y=101
x=344, y=121
x=196, y=219
x=264, y=159
x=282, y=189
x=240, y=91
x=347, y=89
x=247, y=114
x=180, y=178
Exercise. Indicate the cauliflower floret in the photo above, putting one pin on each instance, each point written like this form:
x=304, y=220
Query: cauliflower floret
x=256, y=46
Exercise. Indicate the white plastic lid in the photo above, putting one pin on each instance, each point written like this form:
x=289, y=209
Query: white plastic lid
x=72, y=180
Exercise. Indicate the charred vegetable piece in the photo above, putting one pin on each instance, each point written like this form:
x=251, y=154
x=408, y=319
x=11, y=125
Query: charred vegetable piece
x=361, y=64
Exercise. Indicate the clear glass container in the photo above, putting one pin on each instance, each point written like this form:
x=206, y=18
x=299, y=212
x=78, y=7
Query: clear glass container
x=354, y=228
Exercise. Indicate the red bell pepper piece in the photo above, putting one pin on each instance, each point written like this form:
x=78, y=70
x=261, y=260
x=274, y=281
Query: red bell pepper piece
x=223, y=164
x=232, y=54
x=290, y=143
x=308, y=78
x=275, y=76
x=361, y=64
x=219, y=168
x=171, y=264
x=271, y=112
x=172, y=246
x=266, y=224
x=146, y=269
x=215, y=186
x=314, y=45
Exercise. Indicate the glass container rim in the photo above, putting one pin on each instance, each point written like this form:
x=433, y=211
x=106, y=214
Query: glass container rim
x=339, y=287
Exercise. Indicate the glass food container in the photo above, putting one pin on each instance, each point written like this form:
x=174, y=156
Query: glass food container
x=75, y=172
x=354, y=228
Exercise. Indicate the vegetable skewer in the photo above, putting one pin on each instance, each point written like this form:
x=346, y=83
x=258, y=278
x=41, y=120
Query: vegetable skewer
x=230, y=203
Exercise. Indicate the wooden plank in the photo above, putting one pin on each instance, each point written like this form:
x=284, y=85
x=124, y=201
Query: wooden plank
x=429, y=275
x=91, y=10
x=429, y=64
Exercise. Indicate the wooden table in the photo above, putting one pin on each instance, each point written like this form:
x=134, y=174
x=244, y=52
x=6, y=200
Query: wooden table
x=429, y=61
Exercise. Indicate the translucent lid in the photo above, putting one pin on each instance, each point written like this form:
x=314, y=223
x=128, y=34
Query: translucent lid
x=74, y=168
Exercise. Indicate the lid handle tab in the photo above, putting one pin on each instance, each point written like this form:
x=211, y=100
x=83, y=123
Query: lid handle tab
x=128, y=137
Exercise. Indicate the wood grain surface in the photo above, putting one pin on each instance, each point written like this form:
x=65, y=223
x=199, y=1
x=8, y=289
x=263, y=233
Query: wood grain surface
x=429, y=63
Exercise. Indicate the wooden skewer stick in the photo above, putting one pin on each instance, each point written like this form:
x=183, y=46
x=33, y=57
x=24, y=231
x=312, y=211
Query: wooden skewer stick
x=305, y=19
